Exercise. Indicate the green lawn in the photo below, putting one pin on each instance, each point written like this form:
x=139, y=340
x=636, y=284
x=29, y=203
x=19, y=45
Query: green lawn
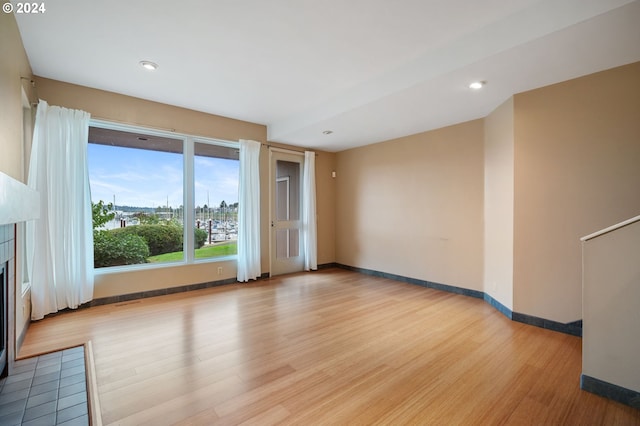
x=225, y=249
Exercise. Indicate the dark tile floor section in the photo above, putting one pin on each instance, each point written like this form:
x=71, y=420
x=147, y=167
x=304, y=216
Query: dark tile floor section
x=46, y=390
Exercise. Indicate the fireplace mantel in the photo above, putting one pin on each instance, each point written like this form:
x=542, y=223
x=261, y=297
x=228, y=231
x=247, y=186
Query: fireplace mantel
x=18, y=202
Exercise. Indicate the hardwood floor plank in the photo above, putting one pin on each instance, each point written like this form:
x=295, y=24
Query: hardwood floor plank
x=326, y=347
x=272, y=416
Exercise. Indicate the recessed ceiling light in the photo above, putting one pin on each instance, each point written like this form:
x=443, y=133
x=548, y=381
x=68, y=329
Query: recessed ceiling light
x=327, y=132
x=151, y=66
x=477, y=85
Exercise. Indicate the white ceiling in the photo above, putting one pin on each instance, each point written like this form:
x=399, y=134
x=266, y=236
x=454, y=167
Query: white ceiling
x=369, y=70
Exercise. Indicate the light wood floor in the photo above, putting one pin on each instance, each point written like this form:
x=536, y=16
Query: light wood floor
x=328, y=347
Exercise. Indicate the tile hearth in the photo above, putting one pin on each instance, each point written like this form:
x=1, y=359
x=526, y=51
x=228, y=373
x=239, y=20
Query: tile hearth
x=46, y=390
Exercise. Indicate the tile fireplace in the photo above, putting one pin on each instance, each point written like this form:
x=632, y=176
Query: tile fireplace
x=7, y=275
x=18, y=203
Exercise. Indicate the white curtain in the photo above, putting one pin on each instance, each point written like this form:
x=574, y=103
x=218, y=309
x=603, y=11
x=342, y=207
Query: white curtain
x=309, y=227
x=249, y=212
x=60, y=243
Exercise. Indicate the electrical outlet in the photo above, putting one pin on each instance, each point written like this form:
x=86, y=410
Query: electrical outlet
x=219, y=270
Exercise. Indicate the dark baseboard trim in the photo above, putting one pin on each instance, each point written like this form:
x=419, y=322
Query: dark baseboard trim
x=415, y=281
x=171, y=290
x=608, y=390
x=164, y=291
x=572, y=328
x=499, y=306
x=159, y=292
x=327, y=266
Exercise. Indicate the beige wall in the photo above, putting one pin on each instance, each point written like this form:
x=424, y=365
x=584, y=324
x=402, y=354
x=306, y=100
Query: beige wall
x=326, y=207
x=611, y=291
x=14, y=65
x=125, y=109
x=414, y=206
x=577, y=170
x=498, y=204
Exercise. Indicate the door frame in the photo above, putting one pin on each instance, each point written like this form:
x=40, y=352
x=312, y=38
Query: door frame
x=296, y=265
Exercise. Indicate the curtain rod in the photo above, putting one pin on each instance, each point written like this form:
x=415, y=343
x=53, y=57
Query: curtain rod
x=127, y=123
x=277, y=148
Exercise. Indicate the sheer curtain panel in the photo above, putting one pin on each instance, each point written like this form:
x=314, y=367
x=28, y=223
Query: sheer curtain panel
x=60, y=243
x=309, y=226
x=249, y=212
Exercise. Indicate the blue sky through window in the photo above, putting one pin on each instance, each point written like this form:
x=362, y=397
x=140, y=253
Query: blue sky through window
x=145, y=178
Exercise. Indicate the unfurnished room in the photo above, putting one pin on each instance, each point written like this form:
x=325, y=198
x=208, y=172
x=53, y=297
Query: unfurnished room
x=320, y=212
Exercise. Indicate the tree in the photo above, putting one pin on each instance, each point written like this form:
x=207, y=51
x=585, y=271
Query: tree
x=101, y=213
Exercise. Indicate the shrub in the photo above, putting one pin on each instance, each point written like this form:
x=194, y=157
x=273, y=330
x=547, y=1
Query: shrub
x=112, y=249
x=200, y=237
x=159, y=238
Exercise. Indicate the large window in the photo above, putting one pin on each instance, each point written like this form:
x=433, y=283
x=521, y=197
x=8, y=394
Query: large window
x=141, y=182
x=216, y=171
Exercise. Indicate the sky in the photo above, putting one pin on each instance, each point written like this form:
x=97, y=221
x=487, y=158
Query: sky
x=145, y=178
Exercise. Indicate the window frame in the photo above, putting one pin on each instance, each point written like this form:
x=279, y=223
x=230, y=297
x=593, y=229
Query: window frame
x=23, y=276
x=188, y=193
